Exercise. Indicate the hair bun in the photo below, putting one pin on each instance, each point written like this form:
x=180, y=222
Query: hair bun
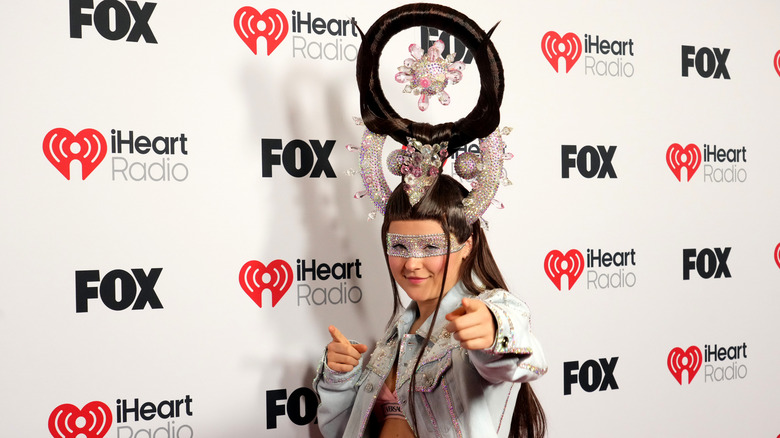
x=380, y=117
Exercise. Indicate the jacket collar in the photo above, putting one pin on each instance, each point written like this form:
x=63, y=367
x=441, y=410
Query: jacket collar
x=449, y=302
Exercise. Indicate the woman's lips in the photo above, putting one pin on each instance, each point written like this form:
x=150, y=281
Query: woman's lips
x=415, y=280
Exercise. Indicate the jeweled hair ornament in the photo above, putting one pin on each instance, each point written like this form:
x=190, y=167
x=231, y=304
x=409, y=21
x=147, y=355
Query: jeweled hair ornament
x=426, y=145
x=429, y=74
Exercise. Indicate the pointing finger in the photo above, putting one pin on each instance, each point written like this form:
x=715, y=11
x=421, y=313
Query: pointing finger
x=337, y=336
x=460, y=311
x=471, y=305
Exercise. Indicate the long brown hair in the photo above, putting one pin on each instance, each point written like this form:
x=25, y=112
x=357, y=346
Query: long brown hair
x=444, y=203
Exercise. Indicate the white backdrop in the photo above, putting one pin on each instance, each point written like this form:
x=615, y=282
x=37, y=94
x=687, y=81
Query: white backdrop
x=170, y=235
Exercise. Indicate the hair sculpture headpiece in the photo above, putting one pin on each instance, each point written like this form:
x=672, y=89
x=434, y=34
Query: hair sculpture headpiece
x=427, y=146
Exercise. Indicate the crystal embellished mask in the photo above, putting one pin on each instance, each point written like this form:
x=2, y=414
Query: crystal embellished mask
x=420, y=245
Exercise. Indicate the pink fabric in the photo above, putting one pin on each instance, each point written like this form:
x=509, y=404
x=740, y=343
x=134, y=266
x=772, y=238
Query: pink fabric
x=387, y=405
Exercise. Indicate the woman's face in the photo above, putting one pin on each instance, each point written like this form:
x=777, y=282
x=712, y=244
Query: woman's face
x=417, y=253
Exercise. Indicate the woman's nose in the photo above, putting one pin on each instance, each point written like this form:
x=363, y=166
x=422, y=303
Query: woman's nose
x=412, y=263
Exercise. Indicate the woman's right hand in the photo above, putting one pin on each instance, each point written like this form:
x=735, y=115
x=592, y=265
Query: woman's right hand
x=343, y=355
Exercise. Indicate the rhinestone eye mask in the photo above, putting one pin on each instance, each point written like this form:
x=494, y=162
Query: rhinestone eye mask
x=419, y=246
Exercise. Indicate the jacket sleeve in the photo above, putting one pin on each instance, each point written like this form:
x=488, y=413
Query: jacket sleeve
x=516, y=355
x=336, y=392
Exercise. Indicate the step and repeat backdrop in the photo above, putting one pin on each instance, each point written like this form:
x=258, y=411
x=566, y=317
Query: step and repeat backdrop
x=180, y=225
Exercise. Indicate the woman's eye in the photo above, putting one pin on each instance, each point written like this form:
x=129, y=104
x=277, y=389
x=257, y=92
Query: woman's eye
x=431, y=247
x=399, y=246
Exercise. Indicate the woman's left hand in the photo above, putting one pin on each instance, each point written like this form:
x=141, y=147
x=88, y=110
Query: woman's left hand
x=472, y=324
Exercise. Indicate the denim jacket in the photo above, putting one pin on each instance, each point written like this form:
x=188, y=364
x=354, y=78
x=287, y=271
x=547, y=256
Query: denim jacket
x=458, y=392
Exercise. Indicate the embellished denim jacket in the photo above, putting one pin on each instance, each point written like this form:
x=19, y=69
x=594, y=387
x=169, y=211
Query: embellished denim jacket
x=458, y=392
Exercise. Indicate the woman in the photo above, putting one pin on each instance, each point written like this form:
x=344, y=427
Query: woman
x=456, y=360
x=479, y=346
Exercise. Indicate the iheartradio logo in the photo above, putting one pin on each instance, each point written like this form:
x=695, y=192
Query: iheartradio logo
x=61, y=147
x=557, y=264
x=777, y=255
x=555, y=47
x=251, y=25
x=92, y=421
x=679, y=158
x=255, y=277
x=777, y=62
x=689, y=360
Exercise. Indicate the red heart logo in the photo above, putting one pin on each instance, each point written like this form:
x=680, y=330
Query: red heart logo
x=777, y=255
x=91, y=149
x=569, y=47
x=688, y=360
x=251, y=25
x=777, y=62
x=255, y=277
x=678, y=157
x=555, y=269
x=92, y=421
